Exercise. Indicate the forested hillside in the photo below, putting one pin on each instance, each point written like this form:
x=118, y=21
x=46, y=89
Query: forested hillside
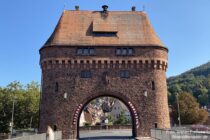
x=195, y=81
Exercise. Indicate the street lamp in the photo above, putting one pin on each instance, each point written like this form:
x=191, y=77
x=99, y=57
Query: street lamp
x=13, y=109
x=177, y=100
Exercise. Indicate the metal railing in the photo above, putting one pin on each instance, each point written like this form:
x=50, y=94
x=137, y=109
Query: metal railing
x=43, y=136
x=163, y=134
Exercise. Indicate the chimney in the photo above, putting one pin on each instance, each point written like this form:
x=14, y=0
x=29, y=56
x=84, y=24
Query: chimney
x=105, y=8
x=133, y=8
x=77, y=7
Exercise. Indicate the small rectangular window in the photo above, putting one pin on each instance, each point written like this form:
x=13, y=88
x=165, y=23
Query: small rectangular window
x=118, y=51
x=130, y=51
x=56, y=87
x=124, y=74
x=124, y=51
x=85, y=74
x=153, y=85
x=85, y=51
x=79, y=51
x=92, y=51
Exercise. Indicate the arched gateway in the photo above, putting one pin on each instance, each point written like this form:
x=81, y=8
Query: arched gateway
x=122, y=98
x=103, y=53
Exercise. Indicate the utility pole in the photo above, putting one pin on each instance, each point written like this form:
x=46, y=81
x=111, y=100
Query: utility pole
x=177, y=100
x=13, y=108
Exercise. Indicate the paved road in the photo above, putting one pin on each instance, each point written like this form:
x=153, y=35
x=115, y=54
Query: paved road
x=125, y=134
x=106, y=135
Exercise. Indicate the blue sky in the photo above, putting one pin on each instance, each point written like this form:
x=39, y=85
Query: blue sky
x=183, y=26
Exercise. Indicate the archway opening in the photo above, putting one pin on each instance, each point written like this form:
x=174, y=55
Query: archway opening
x=106, y=117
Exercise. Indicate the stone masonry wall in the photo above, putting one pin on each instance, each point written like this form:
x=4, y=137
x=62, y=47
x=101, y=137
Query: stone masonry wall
x=147, y=102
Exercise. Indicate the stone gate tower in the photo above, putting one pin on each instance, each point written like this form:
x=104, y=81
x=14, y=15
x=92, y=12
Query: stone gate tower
x=103, y=53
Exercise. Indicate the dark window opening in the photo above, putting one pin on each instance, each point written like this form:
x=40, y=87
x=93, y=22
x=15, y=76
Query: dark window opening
x=156, y=125
x=124, y=74
x=118, y=51
x=130, y=51
x=105, y=34
x=92, y=51
x=86, y=51
x=153, y=85
x=85, y=74
x=79, y=51
x=54, y=127
x=124, y=51
x=56, y=87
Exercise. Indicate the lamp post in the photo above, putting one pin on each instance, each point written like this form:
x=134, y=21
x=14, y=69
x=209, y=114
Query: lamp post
x=177, y=100
x=13, y=109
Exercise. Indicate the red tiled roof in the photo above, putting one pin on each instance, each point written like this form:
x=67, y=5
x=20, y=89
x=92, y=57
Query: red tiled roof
x=131, y=28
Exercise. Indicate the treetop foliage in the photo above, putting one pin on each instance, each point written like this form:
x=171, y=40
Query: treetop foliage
x=195, y=81
x=26, y=105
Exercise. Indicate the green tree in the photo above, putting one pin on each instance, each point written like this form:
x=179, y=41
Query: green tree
x=26, y=109
x=122, y=119
x=190, y=112
x=110, y=118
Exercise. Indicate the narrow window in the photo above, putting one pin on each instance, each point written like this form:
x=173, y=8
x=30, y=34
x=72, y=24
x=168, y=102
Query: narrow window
x=85, y=51
x=56, y=87
x=57, y=62
x=156, y=125
x=54, y=127
x=153, y=85
x=130, y=51
x=124, y=51
x=92, y=51
x=118, y=51
x=85, y=74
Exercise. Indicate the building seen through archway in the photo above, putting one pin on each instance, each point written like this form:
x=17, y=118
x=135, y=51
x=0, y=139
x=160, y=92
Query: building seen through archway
x=108, y=116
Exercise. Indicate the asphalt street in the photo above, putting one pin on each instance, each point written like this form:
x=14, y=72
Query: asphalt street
x=106, y=135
